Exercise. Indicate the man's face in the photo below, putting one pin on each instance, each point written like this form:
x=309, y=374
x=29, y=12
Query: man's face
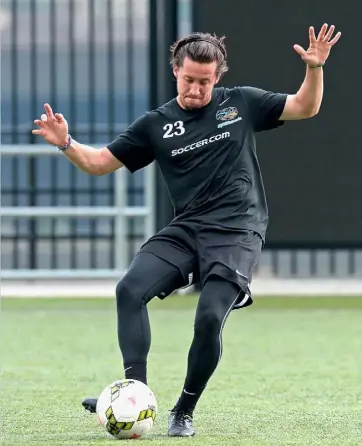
x=195, y=82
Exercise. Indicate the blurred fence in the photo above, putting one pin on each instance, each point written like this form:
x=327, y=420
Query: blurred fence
x=89, y=60
x=54, y=229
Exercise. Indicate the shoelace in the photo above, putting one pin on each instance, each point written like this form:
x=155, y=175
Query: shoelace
x=180, y=416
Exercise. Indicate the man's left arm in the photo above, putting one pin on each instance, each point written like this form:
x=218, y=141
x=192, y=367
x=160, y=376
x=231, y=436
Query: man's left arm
x=307, y=101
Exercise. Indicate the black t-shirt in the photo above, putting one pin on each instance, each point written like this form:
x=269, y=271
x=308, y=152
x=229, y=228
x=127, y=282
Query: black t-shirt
x=208, y=155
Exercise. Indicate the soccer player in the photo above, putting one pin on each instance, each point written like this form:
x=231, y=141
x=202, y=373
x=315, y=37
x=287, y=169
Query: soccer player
x=204, y=143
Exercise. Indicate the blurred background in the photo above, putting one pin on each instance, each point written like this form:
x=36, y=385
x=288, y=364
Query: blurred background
x=102, y=63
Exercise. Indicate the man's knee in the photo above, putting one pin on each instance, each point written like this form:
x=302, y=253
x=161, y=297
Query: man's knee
x=208, y=322
x=216, y=301
x=130, y=292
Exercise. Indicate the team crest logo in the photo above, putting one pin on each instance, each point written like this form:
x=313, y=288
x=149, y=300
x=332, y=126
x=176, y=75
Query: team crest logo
x=227, y=114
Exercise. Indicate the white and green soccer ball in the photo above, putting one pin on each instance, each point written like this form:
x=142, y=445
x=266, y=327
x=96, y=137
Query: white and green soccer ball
x=127, y=409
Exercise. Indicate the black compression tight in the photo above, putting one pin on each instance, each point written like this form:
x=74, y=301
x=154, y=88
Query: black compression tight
x=148, y=276
x=216, y=301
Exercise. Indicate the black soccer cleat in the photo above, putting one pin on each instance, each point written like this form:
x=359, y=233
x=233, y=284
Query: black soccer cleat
x=90, y=404
x=180, y=424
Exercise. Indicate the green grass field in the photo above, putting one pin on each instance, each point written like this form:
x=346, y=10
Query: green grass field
x=291, y=373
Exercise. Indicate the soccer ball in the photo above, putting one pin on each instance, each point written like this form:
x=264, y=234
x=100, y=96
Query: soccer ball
x=127, y=409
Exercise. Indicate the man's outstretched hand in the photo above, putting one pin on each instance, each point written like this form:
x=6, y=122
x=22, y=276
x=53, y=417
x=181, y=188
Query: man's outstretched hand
x=319, y=47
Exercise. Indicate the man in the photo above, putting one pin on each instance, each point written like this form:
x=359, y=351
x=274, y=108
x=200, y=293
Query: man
x=204, y=143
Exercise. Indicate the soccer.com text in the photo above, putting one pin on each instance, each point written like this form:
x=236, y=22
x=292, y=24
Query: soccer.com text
x=195, y=145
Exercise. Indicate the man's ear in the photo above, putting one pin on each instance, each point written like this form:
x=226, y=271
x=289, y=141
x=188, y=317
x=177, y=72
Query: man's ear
x=218, y=77
x=175, y=70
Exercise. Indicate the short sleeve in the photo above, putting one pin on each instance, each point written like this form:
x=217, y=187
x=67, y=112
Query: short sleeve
x=264, y=107
x=133, y=147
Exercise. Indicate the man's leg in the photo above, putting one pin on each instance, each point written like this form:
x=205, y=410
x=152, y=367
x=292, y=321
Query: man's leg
x=217, y=299
x=148, y=276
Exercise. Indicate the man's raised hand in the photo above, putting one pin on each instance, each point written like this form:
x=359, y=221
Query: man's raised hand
x=52, y=127
x=319, y=47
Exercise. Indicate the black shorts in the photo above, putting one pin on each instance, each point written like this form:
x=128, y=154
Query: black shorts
x=200, y=250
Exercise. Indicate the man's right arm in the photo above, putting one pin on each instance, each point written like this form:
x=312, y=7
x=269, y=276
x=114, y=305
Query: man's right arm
x=90, y=160
x=54, y=129
x=132, y=149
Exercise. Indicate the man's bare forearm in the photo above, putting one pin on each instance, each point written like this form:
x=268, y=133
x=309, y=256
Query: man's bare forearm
x=86, y=158
x=310, y=94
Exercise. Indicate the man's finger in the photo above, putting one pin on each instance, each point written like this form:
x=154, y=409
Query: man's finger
x=49, y=111
x=312, y=36
x=301, y=51
x=59, y=117
x=44, y=117
x=323, y=31
x=336, y=38
x=41, y=132
x=329, y=33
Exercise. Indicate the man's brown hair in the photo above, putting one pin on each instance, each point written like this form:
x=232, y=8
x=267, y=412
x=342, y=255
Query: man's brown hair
x=202, y=48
